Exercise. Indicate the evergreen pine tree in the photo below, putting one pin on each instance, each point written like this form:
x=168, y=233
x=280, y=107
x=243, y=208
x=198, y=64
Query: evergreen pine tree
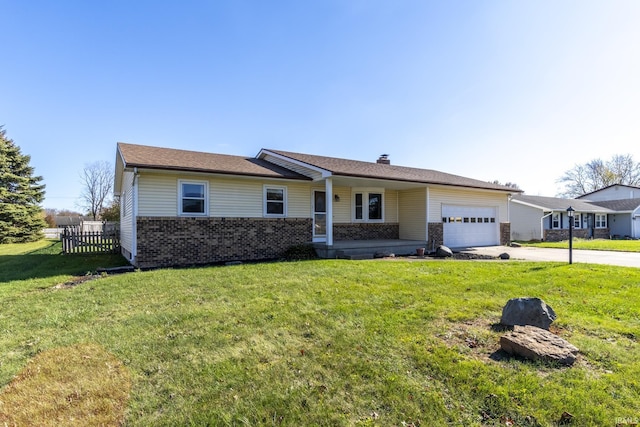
x=20, y=195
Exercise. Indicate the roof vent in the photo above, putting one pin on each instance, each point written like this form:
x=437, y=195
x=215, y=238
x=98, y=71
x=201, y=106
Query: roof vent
x=384, y=159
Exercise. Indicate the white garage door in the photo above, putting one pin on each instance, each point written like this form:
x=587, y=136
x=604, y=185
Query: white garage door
x=466, y=226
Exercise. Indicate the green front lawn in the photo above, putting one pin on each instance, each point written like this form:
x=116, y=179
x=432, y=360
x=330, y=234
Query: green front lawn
x=591, y=244
x=366, y=343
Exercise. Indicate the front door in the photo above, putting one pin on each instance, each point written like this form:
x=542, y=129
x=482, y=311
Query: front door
x=319, y=216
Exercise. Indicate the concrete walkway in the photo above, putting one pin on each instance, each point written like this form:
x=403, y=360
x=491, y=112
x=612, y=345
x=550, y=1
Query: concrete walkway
x=624, y=259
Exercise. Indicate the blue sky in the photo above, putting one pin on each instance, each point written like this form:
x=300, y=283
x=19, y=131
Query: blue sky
x=515, y=91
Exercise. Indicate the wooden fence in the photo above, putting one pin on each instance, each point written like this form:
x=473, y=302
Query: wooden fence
x=75, y=241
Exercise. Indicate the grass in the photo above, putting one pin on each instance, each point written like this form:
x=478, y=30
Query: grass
x=591, y=244
x=357, y=343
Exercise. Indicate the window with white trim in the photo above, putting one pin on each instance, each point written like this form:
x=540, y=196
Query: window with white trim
x=601, y=221
x=275, y=201
x=193, y=198
x=368, y=206
x=555, y=220
x=577, y=220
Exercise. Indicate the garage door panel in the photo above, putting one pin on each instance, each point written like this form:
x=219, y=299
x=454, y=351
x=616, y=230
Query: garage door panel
x=469, y=226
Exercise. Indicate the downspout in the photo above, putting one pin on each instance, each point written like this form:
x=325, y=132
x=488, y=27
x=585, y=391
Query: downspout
x=134, y=216
x=542, y=224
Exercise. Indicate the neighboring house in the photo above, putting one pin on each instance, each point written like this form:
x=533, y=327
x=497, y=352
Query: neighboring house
x=182, y=207
x=70, y=221
x=612, y=192
x=625, y=220
x=625, y=201
x=546, y=218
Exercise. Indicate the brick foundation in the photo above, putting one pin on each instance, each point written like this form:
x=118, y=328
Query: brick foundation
x=505, y=233
x=563, y=234
x=170, y=241
x=601, y=233
x=366, y=231
x=436, y=235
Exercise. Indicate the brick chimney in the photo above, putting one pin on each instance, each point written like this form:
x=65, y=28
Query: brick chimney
x=384, y=159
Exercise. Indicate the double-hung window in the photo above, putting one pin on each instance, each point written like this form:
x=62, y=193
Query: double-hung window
x=577, y=223
x=193, y=198
x=368, y=206
x=601, y=221
x=555, y=220
x=275, y=201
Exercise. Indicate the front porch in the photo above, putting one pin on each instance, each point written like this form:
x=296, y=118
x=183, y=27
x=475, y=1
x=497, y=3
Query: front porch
x=367, y=249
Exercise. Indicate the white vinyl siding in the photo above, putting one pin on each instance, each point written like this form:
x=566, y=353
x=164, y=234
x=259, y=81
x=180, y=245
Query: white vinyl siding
x=157, y=195
x=126, y=212
x=616, y=192
x=439, y=196
x=390, y=206
x=228, y=197
x=342, y=208
x=412, y=207
x=526, y=222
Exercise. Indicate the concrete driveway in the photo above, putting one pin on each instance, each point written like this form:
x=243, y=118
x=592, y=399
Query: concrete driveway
x=625, y=259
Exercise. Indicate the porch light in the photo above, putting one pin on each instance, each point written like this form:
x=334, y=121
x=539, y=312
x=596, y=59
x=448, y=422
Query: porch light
x=570, y=212
x=336, y=198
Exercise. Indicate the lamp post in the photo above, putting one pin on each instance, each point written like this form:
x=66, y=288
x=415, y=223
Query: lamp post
x=570, y=212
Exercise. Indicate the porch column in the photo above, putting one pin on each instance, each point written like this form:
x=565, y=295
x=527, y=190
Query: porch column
x=328, y=184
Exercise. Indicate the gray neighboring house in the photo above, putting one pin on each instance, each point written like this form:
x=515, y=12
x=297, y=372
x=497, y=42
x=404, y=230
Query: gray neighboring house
x=545, y=218
x=624, y=200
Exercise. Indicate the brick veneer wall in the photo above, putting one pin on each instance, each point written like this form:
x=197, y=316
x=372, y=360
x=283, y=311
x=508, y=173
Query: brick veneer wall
x=366, y=231
x=601, y=233
x=436, y=235
x=563, y=234
x=171, y=241
x=505, y=233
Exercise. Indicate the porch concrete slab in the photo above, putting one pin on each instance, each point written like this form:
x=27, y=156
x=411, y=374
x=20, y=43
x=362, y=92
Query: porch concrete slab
x=623, y=259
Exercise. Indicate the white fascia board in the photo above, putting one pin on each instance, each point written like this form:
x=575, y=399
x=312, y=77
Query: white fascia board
x=325, y=173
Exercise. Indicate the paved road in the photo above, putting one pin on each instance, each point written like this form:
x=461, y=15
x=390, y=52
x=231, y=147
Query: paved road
x=625, y=259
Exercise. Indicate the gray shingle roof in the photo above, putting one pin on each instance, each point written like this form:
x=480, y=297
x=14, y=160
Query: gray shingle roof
x=559, y=204
x=356, y=168
x=143, y=156
x=620, y=205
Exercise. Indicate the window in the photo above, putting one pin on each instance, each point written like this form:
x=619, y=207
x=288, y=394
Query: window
x=577, y=223
x=601, y=221
x=193, y=198
x=368, y=206
x=275, y=201
x=555, y=220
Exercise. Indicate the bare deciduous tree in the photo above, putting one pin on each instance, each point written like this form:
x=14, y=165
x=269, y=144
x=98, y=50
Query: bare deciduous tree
x=597, y=174
x=97, y=181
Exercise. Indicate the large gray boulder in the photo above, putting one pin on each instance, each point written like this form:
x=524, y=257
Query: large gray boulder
x=527, y=311
x=538, y=344
x=444, y=251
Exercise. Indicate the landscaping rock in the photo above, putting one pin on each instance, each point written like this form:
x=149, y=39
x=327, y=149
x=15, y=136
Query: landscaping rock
x=534, y=343
x=504, y=255
x=444, y=252
x=516, y=245
x=527, y=311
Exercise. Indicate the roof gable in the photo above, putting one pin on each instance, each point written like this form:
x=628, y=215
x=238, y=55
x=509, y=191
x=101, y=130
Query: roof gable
x=586, y=195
